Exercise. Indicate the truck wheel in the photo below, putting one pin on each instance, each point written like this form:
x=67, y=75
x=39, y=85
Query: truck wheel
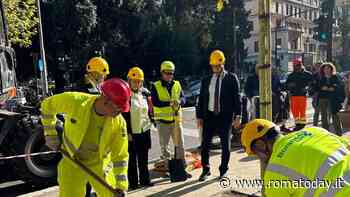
x=38, y=170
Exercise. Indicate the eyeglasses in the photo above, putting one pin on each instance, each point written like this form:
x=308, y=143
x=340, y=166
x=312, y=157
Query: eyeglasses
x=168, y=73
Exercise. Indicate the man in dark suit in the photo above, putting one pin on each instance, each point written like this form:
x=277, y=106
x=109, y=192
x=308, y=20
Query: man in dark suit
x=218, y=109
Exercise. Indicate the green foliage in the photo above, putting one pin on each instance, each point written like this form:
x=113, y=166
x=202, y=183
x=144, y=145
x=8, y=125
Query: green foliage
x=136, y=32
x=22, y=21
x=230, y=29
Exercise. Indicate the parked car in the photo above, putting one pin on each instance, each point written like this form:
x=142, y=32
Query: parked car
x=192, y=92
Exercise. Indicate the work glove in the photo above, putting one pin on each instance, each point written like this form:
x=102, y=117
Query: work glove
x=53, y=142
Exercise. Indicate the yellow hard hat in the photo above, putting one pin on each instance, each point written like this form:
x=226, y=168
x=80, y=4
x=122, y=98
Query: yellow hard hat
x=253, y=130
x=217, y=57
x=167, y=65
x=98, y=64
x=136, y=73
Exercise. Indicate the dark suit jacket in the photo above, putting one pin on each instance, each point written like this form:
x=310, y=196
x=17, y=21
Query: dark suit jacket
x=230, y=103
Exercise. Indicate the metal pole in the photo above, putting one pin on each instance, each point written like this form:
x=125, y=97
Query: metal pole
x=42, y=54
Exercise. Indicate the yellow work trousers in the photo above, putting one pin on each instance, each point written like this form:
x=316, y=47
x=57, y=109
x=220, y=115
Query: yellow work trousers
x=72, y=180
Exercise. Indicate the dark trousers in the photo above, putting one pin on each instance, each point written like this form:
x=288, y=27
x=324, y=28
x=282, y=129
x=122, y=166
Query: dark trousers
x=138, y=159
x=222, y=126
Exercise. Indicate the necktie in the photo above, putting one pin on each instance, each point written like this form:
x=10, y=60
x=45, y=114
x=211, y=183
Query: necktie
x=216, y=96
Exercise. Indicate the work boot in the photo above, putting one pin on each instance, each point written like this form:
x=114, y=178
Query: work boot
x=205, y=174
x=148, y=184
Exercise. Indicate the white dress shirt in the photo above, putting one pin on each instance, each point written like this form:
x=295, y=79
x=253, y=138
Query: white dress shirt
x=212, y=90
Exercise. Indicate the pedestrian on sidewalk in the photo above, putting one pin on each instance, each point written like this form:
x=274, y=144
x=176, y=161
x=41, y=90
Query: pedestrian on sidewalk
x=316, y=77
x=94, y=133
x=167, y=99
x=218, y=110
x=139, y=124
x=297, y=83
x=252, y=90
x=308, y=158
x=331, y=96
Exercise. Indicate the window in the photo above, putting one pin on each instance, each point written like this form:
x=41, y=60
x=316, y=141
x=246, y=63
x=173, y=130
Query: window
x=315, y=15
x=287, y=9
x=294, y=44
x=279, y=42
x=310, y=31
x=310, y=16
x=295, y=12
x=312, y=48
x=299, y=13
x=277, y=7
x=291, y=10
x=256, y=46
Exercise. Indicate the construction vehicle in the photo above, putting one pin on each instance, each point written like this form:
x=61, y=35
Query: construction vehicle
x=20, y=128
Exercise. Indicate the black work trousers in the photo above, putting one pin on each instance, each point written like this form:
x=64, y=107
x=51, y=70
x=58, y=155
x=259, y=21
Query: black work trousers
x=138, y=159
x=220, y=125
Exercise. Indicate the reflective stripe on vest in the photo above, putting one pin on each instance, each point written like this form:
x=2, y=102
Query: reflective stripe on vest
x=120, y=164
x=334, y=188
x=330, y=161
x=121, y=177
x=288, y=172
x=166, y=113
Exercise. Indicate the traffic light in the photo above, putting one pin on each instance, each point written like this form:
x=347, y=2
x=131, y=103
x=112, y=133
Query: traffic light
x=321, y=32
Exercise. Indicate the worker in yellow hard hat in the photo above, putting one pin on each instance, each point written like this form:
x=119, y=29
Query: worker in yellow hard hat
x=97, y=70
x=138, y=120
x=218, y=110
x=308, y=162
x=167, y=98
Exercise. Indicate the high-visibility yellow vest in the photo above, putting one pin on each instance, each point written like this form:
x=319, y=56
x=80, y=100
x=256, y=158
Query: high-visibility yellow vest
x=166, y=113
x=309, y=162
x=113, y=144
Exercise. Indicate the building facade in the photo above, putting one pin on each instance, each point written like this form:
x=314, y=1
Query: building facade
x=291, y=32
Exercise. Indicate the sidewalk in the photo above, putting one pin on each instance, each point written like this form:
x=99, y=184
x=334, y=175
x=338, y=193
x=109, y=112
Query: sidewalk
x=241, y=167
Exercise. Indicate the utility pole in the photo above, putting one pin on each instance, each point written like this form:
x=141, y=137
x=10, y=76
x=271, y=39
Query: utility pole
x=45, y=87
x=264, y=64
